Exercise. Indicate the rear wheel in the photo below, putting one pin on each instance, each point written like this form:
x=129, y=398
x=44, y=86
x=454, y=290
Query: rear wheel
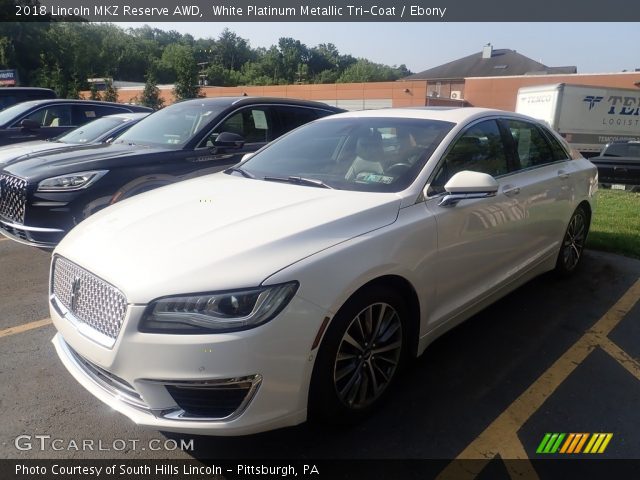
x=360, y=356
x=573, y=242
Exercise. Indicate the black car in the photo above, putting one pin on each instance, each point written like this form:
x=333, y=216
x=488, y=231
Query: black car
x=42, y=119
x=43, y=198
x=12, y=95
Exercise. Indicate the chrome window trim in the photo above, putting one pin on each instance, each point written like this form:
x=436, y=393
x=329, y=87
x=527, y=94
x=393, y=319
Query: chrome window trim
x=422, y=197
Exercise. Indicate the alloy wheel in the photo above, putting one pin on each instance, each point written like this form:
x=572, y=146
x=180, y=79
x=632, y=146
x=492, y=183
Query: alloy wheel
x=574, y=239
x=368, y=355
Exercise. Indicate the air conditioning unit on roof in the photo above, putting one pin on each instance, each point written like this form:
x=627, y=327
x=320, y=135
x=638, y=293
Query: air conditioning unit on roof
x=456, y=95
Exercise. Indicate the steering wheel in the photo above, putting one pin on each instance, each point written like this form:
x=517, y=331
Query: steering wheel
x=398, y=169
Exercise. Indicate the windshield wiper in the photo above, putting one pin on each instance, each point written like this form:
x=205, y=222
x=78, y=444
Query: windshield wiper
x=311, y=182
x=242, y=172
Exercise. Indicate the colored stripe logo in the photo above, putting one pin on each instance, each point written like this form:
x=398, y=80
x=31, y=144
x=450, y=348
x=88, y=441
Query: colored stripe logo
x=572, y=443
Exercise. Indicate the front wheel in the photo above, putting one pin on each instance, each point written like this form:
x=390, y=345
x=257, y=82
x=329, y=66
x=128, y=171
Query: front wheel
x=573, y=242
x=360, y=356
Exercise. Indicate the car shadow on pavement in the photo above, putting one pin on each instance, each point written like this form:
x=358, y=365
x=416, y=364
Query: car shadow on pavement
x=464, y=380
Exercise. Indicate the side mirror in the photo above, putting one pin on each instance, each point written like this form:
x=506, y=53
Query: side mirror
x=229, y=140
x=28, y=124
x=468, y=185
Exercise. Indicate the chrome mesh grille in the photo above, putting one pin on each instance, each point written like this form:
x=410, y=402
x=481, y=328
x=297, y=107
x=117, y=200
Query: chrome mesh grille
x=89, y=298
x=13, y=197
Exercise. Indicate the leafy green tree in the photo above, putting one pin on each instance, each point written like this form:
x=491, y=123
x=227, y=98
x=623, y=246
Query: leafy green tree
x=62, y=55
x=293, y=55
x=151, y=93
x=94, y=94
x=184, y=64
x=231, y=51
x=366, y=71
x=111, y=93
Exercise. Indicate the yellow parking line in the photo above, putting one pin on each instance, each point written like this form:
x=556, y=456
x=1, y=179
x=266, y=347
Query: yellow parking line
x=24, y=328
x=493, y=440
x=622, y=357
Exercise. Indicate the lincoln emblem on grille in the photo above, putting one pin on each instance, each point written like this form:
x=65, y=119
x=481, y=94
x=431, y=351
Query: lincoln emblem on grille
x=75, y=294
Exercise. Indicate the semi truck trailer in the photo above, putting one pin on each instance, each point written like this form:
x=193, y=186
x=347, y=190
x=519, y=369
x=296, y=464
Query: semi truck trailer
x=587, y=117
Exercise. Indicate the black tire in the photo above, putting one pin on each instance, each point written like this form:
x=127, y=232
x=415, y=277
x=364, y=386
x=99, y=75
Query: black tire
x=573, y=243
x=366, y=366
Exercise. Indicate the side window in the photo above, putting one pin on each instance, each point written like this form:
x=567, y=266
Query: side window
x=53, y=116
x=532, y=147
x=293, y=117
x=559, y=153
x=479, y=149
x=254, y=124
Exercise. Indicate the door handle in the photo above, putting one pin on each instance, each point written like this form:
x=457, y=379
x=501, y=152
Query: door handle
x=563, y=175
x=510, y=191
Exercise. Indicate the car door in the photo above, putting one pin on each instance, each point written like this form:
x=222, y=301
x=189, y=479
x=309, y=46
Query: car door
x=480, y=241
x=52, y=120
x=541, y=182
x=253, y=123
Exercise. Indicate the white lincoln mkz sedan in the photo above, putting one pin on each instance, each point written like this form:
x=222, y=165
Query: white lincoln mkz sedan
x=296, y=284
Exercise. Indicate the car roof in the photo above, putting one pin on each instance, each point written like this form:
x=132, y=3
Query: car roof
x=453, y=115
x=25, y=89
x=247, y=100
x=53, y=101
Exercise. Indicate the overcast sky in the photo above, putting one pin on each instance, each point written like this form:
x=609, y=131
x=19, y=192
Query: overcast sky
x=592, y=47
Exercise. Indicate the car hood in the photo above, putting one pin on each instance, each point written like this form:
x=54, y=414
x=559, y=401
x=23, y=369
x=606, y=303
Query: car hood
x=75, y=158
x=26, y=149
x=218, y=232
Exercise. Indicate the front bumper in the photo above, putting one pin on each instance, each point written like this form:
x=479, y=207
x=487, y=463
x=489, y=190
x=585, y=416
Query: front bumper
x=34, y=236
x=139, y=375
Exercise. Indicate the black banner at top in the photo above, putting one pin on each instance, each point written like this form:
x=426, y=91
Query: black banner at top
x=327, y=11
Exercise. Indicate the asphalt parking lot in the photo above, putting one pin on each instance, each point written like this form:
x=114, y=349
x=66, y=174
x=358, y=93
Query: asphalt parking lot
x=556, y=356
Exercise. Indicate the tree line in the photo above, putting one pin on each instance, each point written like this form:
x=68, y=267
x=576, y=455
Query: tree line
x=62, y=55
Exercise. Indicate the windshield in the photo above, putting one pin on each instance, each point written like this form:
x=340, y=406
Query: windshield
x=9, y=114
x=91, y=131
x=367, y=154
x=171, y=127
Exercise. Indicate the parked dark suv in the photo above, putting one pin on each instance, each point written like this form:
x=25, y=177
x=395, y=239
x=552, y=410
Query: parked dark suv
x=43, y=198
x=12, y=95
x=42, y=119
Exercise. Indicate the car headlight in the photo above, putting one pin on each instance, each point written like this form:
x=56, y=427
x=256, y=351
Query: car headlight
x=217, y=312
x=71, y=181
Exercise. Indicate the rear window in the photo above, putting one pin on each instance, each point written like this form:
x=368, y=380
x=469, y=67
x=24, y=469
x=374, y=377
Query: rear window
x=622, y=150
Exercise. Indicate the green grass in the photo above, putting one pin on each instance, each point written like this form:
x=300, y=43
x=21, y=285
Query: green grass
x=615, y=226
